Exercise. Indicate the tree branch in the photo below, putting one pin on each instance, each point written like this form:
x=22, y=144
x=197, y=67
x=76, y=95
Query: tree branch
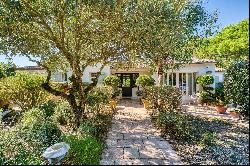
x=95, y=81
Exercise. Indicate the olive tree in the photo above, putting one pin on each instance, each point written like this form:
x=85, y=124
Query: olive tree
x=63, y=34
x=73, y=34
x=171, y=31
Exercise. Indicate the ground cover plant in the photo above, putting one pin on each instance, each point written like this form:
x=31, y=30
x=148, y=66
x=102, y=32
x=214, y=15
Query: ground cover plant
x=205, y=141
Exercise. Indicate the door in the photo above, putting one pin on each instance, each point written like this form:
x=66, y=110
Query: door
x=127, y=83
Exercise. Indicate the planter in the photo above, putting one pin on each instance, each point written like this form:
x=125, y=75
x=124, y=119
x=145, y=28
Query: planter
x=220, y=109
x=234, y=114
x=113, y=104
x=146, y=104
x=199, y=100
x=4, y=103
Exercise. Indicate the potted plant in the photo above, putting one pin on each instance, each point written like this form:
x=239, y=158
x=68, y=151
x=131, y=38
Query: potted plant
x=144, y=81
x=219, y=106
x=113, y=82
x=235, y=113
x=114, y=98
x=206, y=95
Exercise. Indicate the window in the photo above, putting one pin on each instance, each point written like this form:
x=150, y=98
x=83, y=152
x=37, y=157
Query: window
x=64, y=77
x=93, y=76
x=185, y=81
x=172, y=79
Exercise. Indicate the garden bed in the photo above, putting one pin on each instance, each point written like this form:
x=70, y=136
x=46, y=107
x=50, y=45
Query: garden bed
x=206, y=141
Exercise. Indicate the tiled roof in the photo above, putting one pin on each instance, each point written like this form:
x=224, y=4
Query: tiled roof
x=199, y=61
x=30, y=68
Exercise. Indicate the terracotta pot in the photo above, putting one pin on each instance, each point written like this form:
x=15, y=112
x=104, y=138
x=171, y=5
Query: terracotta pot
x=220, y=109
x=146, y=104
x=199, y=100
x=4, y=103
x=234, y=114
x=113, y=104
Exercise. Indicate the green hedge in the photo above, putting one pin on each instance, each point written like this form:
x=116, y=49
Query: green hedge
x=236, y=84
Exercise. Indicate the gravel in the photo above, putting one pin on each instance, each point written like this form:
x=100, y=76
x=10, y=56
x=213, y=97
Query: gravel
x=231, y=147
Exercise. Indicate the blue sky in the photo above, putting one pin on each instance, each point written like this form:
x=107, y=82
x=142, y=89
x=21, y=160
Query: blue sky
x=230, y=12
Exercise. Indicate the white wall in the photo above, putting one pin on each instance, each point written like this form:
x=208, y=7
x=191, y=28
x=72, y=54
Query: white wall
x=57, y=76
x=199, y=69
x=93, y=69
x=220, y=75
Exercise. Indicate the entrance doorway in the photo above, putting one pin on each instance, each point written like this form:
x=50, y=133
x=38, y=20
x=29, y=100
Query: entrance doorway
x=127, y=83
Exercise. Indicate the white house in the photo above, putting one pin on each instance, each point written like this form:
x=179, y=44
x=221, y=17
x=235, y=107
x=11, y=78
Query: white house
x=184, y=78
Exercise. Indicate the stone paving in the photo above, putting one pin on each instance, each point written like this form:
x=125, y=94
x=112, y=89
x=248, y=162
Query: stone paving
x=133, y=140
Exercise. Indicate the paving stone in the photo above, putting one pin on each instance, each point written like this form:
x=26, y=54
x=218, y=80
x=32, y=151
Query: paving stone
x=115, y=135
x=150, y=153
x=133, y=140
x=140, y=162
x=124, y=162
x=131, y=153
x=153, y=137
x=112, y=153
x=129, y=143
x=156, y=162
x=135, y=136
x=156, y=144
x=107, y=162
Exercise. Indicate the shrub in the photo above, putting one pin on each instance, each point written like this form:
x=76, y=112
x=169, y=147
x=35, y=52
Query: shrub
x=98, y=98
x=32, y=116
x=24, y=90
x=63, y=114
x=236, y=83
x=169, y=96
x=114, y=82
x=84, y=150
x=24, y=143
x=205, y=80
x=206, y=94
x=175, y=125
x=145, y=80
x=48, y=108
x=219, y=92
x=208, y=139
x=88, y=128
x=6, y=70
x=37, y=128
x=96, y=126
x=111, y=80
x=15, y=150
x=207, y=97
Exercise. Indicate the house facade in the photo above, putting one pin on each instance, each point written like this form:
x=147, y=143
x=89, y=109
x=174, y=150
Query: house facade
x=183, y=78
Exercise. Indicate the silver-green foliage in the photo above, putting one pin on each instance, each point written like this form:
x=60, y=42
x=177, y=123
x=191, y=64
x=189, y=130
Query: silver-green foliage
x=24, y=90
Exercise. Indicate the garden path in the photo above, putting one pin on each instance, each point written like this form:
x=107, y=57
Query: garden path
x=133, y=140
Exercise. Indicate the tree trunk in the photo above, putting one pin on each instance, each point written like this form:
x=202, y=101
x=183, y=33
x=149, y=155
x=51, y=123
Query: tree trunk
x=160, y=73
x=160, y=83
